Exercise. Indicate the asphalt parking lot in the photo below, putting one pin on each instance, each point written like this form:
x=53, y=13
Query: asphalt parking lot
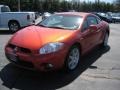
x=100, y=70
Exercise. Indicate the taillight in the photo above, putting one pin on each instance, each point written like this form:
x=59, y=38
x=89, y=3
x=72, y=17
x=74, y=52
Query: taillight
x=28, y=17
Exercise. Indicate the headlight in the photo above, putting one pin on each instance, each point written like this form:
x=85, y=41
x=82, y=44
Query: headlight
x=50, y=47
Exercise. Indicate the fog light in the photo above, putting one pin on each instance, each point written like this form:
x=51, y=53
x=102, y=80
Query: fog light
x=48, y=66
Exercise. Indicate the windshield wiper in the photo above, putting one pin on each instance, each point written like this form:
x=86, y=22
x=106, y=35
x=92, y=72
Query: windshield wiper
x=56, y=27
x=51, y=26
x=41, y=25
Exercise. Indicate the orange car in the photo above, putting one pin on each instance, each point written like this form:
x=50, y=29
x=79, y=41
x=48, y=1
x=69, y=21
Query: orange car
x=57, y=42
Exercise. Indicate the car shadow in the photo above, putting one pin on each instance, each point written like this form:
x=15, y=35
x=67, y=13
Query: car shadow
x=5, y=32
x=13, y=77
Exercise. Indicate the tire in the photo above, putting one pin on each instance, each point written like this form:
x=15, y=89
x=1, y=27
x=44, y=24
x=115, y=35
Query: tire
x=14, y=26
x=105, y=41
x=72, y=59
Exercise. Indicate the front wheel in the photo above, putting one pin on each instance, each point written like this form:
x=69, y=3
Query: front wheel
x=72, y=59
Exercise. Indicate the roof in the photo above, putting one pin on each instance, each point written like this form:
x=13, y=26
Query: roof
x=83, y=14
x=2, y=5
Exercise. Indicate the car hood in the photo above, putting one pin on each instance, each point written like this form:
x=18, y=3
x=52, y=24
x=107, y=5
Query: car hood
x=34, y=37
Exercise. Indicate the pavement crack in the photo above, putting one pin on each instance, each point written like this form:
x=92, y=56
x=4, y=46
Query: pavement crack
x=2, y=65
x=113, y=68
x=100, y=76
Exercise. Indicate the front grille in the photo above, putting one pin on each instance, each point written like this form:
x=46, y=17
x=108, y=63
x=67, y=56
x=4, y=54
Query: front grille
x=21, y=62
x=24, y=50
x=21, y=49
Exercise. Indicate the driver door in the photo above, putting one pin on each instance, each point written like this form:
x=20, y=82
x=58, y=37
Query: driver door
x=89, y=36
x=86, y=41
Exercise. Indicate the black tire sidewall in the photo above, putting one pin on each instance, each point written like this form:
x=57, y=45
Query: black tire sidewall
x=13, y=23
x=105, y=38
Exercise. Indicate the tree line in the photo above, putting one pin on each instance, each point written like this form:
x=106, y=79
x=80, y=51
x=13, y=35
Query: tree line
x=62, y=5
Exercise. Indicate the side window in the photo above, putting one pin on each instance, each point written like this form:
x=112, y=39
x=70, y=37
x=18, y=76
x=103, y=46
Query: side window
x=92, y=20
x=85, y=26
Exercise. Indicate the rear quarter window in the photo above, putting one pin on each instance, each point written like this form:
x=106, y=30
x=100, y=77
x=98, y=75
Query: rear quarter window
x=98, y=20
x=92, y=20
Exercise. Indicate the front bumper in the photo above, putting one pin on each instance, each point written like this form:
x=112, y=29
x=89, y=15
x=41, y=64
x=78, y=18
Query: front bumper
x=47, y=62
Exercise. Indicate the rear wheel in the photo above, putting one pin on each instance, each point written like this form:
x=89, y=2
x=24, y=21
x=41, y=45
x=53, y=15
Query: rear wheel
x=105, y=41
x=72, y=59
x=14, y=26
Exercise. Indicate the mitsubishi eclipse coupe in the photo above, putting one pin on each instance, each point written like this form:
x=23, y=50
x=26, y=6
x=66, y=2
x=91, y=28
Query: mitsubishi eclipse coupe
x=57, y=42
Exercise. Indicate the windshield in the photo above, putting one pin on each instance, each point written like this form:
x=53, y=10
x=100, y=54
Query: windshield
x=62, y=22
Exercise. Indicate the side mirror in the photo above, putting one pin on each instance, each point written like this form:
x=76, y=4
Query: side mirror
x=93, y=27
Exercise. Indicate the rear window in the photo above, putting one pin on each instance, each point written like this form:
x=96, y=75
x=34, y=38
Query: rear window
x=5, y=9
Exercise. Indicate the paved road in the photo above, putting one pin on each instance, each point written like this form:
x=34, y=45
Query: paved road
x=100, y=70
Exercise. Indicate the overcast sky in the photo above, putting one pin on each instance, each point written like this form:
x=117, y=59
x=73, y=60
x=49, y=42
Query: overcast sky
x=104, y=0
x=110, y=1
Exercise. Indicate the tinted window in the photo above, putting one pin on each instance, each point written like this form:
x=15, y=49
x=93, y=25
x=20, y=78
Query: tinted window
x=91, y=20
x=62, y=21
x=98, y=20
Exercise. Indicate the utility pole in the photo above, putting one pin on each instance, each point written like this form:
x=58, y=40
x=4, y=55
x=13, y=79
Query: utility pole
x=19, y=5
